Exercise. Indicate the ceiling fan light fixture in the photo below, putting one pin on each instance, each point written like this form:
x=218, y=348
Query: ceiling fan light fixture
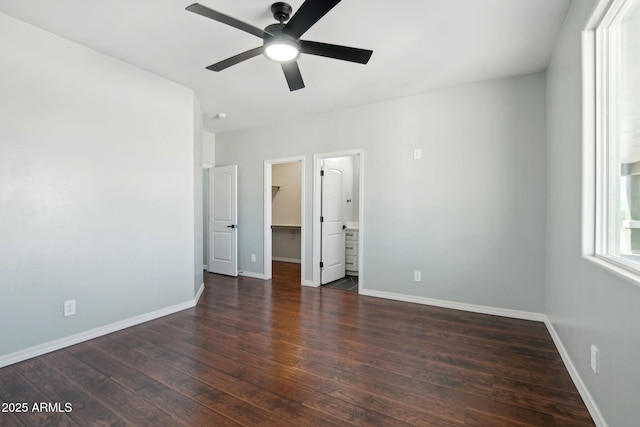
x=281, y=41
x=282, y=50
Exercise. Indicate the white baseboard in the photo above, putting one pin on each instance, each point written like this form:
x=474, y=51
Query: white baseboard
x=575, y=376
x=251, y=274
x=283, y=259
x=505, y=312
x=198, y=295
x=50, y=346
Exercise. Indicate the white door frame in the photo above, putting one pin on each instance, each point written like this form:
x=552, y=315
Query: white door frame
x=317, y=239
x=205, y=217
x=267, y=250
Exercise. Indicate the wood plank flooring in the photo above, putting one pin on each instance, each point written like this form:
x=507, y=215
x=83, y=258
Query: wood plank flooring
x=259, y=353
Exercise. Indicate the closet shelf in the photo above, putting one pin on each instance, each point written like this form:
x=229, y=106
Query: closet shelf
x=285, y=226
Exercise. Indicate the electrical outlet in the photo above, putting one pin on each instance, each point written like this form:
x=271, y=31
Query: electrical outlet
x=253, y=257
x=594, y=358
x=69, y=308
x=417, y=276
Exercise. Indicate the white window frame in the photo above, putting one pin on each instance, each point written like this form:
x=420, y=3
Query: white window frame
x=599, y=63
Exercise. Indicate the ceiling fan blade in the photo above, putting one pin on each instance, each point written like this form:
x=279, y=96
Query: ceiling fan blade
x=308, y=14
x=344, y=53
x=293, y=76
x=219, y=66
x=225, y=19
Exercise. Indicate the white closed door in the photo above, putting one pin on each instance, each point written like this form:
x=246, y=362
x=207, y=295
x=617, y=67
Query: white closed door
x=332, y=224
x=223, y=216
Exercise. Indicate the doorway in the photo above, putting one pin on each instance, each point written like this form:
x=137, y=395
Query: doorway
x=338, y=219
x=284, y=219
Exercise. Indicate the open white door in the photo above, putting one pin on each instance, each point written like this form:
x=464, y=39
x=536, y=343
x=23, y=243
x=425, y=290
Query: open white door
x=332, y=224
x=223, y=216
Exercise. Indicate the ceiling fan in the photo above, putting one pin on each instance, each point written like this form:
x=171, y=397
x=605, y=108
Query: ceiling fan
x=281, y=42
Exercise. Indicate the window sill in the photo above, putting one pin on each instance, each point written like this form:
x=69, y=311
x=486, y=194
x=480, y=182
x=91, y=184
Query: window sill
x=629, y=273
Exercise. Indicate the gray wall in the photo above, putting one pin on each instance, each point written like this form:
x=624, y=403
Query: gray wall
x=198, y=212
x=96, y=189
x=208, y=159
x=470, y=215
x=208, y=148
x=586, y=304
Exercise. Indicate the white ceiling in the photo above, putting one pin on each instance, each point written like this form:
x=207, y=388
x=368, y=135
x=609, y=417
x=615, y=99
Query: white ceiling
x=419, y=45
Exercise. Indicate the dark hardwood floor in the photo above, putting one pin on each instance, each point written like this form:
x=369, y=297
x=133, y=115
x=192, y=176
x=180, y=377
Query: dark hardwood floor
x=272, y=353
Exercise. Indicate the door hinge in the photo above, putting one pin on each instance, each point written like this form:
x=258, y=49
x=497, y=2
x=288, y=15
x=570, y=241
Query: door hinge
x=321, y=173
x=321, y=219
x=321, y=264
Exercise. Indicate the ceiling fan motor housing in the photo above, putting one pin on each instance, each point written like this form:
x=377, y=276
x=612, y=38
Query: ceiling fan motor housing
x=280, y=37
x=281, y=11
x=274, y=29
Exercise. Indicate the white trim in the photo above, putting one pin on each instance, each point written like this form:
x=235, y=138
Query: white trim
x=361, y=234
x=50, y=346
x=205, y=218
x=310, y=284
x=267, y=250
x=317, y=241
x=600, y=217
x=252, y=275
x=474, y=308
x=267, y=206
x=598, y=12
x=611, y=11
x=283, y=259
x=614, y=266
x=316, y=204
x=589, y=155
x=206, y=166
x=196, y=299
x=589, y=402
